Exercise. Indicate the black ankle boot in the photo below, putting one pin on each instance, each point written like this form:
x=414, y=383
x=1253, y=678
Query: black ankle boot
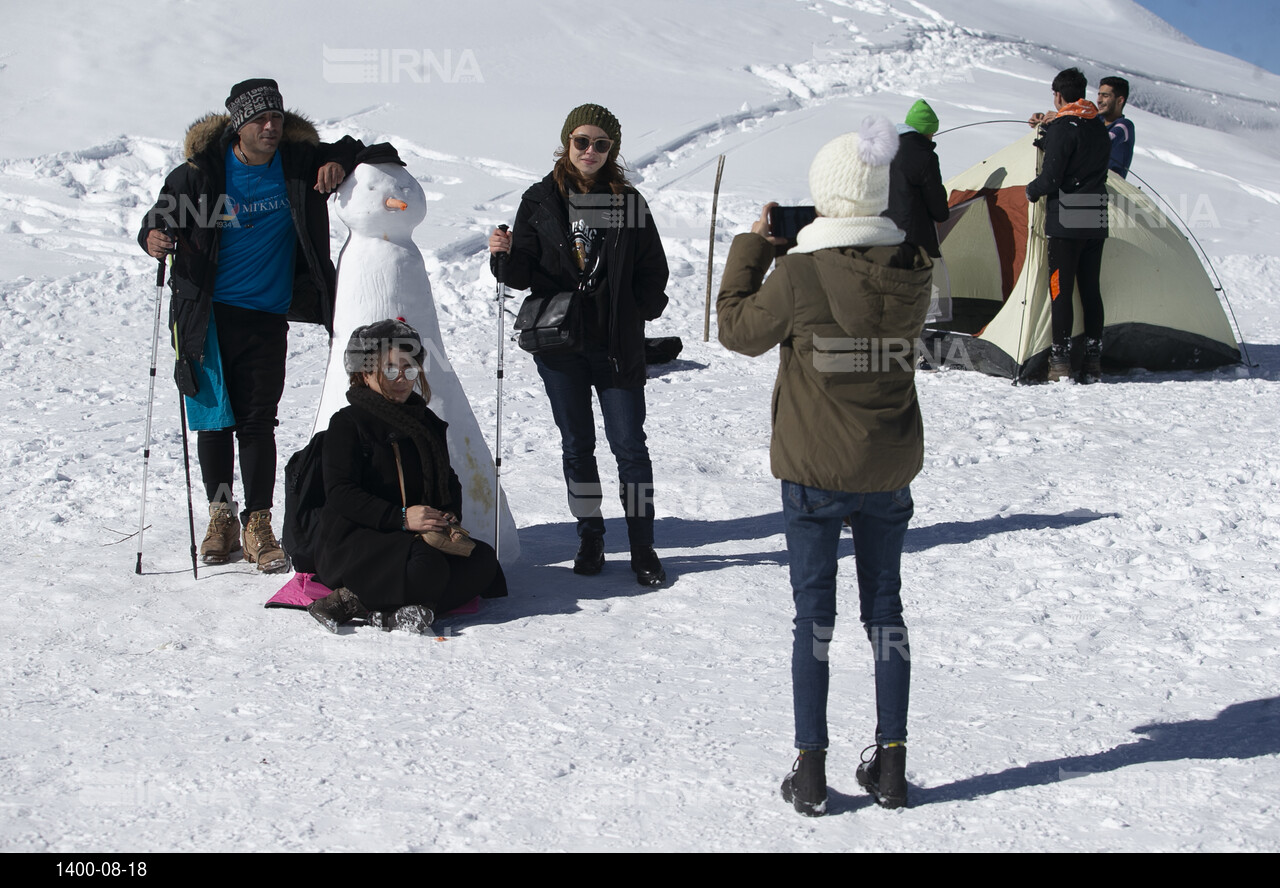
x=884, y=775
x=590, y=558
x=647, y=567
x=1091, y=372
x=337, y=608
x=1060, y=362
x=806, y=786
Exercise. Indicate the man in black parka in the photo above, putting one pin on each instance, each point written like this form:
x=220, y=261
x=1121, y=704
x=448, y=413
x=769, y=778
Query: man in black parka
x=247, y=222
x=1077, y=151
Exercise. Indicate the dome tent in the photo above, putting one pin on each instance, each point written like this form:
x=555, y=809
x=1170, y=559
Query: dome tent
x=1162, y=312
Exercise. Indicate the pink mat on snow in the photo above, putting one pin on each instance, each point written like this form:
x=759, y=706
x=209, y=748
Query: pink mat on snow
x=304, y=588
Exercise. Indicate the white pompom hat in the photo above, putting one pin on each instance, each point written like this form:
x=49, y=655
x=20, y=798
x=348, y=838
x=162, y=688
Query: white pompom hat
x=850, y=175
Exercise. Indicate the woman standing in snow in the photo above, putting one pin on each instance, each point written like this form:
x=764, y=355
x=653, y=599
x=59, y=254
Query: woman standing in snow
x=585, y=228
x=848, y=438
x=388, y=482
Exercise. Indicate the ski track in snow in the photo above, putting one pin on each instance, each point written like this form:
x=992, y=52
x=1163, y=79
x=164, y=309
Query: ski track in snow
x=1085, y=562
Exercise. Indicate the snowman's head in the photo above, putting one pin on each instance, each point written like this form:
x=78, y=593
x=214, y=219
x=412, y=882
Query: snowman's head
x=381, y=200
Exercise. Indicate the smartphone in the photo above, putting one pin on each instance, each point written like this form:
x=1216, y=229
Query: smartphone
x=786, y=222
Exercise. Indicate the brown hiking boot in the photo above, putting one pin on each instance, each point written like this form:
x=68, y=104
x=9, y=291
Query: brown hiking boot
x=222, y=539
x=260, y=544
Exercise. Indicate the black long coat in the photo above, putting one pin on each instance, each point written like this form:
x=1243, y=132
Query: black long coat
x=635, y=266
x=361, y=542
x=917, y=197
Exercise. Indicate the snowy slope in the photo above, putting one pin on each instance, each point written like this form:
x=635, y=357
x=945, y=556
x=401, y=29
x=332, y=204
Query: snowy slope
x=1089, y=576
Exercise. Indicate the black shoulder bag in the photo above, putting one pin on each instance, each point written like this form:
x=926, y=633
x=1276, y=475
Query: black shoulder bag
x=550, y=325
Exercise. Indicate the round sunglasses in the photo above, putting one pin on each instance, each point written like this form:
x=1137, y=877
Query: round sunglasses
x=410, y=373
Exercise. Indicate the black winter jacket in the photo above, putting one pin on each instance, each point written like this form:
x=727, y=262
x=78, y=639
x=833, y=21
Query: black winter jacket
x=635, y=268
x=917, y=197
x=193, y=198
x=361, y=543
x=1077, y=152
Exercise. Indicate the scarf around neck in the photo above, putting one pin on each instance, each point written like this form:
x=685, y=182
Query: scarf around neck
x=1084, y=109
x=853, y=231
x=410, y=419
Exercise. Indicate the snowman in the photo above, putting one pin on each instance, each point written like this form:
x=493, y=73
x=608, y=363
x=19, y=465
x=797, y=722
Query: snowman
x=381, y=275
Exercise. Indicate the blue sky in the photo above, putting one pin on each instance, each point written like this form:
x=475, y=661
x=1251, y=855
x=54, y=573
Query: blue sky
x=1246, y=29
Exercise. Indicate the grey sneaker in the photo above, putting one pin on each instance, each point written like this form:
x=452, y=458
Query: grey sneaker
x=410, y=618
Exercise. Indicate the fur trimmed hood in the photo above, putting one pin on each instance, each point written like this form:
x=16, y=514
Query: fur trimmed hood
x=205, y=132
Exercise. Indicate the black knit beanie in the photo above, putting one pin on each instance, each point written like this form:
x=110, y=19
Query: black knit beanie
x=249, y=98
x=593, y=115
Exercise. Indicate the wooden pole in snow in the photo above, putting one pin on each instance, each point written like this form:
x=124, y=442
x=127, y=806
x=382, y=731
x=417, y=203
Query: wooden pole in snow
x=711, y=252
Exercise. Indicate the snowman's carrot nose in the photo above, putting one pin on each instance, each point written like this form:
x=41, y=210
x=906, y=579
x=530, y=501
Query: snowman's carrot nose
x=396, y=204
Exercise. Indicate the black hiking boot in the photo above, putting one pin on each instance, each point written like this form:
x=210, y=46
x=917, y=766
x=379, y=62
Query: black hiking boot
x=647, y=567
x=416, y=618
x=805, y=788
x=1091, y=372
x=1060, y=363
x=884, y=775
x=337, y=608
x=590, y=558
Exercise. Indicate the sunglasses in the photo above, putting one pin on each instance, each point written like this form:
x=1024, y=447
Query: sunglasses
x=410, y=373
x=602, y=146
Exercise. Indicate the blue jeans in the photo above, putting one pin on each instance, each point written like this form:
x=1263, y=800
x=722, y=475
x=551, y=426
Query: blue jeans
x=814, y=518
x=569, y=380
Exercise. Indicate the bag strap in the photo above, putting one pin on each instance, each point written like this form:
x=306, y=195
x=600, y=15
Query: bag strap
x=404, y=500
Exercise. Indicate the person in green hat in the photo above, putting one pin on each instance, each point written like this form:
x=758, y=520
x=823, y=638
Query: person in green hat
x=584, y=228
x=917, y=198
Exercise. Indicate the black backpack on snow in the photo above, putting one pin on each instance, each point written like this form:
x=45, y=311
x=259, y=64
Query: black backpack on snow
x=303, y=500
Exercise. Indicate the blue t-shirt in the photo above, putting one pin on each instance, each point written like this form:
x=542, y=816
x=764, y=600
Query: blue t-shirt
x=255, y=253
x=1121, y=133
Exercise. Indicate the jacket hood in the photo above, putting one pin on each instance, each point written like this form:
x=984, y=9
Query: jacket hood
x=206, y=132
x=886, y=302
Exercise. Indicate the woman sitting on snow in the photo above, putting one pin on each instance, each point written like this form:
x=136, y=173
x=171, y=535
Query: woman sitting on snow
x=389, y=491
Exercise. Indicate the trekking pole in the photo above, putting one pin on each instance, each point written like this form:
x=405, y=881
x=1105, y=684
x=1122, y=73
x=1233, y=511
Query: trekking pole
x=151, y=396
x=497, y=442
x=186, y=467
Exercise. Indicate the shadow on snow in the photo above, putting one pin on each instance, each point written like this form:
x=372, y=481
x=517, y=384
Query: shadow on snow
x=542, y=581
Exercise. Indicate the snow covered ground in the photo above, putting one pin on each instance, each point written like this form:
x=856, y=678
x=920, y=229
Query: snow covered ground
x=1090, y=577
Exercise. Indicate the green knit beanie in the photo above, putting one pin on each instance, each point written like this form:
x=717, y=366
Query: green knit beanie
x=922, y=119
x=593, y=115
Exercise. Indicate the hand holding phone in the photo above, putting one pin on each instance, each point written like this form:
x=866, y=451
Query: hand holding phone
x=785, y=222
